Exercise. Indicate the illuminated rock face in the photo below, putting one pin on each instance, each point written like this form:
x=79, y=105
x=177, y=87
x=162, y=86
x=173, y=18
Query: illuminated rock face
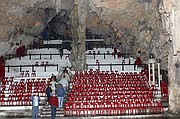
x=135, y=24
x=132, y=25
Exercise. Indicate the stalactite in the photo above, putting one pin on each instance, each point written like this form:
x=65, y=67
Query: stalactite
x=57, y=5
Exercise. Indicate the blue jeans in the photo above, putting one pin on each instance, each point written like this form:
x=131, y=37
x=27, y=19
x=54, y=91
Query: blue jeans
x=60, y=101
x=53, y=111
x=35, y=111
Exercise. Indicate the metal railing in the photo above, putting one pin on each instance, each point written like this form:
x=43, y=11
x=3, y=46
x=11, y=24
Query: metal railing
x=110, y=65
x=10, y=56
x=31, y=66
x=30, y=55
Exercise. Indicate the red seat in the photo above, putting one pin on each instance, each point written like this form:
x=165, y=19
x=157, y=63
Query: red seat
x=20, y=99
x=33, y=74
x=27, y=74
x=2, y=101
x=47, y=63
x=36, y=64
x=97, y=61
x=10, y=100
x=42, y=63
x=67, y=107
x=74, y=108
x=22, y=73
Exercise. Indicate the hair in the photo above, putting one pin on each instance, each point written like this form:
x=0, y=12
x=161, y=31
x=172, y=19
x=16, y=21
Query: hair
x=60, y=84
x=65, y=70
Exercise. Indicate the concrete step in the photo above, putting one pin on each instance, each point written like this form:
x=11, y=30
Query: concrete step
x=46, y=112
x=49, y=115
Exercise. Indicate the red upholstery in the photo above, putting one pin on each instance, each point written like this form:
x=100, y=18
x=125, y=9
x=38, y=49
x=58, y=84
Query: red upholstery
x=138, y=61
x=2, y=67
x=112, y=93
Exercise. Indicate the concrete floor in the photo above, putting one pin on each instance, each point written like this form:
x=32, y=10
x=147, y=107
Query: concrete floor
x=98, y=118
x=108, y=117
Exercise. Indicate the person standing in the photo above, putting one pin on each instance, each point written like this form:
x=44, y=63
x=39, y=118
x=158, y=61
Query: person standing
x=64, y=83
x=48, y=92
x=66, y=75
x=61, y=93
x=53, y=101
x=35, y=105
x=53, y=83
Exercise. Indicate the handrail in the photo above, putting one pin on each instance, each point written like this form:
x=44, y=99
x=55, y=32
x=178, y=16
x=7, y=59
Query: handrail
x=9, y=56
x=111, y=65
x=32, y=66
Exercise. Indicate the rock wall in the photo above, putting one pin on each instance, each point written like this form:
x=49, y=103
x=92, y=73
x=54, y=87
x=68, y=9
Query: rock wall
x=136, y=26
x=132, y=24
x=171, y=15
x=20, y=20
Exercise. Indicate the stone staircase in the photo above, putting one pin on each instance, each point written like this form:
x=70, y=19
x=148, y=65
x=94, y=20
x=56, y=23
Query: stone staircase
x=45, y=112
x=157, y=96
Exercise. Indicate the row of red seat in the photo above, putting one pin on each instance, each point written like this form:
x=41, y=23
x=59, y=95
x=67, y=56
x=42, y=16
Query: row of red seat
x=79, y=73
x=94, y=92
x=109, y=76
x=112, y=98
x=113, y=90
x=16, y=99
x=111, y=85
x=6, y=80
x=42, y=63
x=26, y=86
x=105, y=79
x=111, y=108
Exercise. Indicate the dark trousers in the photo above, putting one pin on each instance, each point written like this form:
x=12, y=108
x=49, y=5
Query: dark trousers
x=48, y=96
x=35, y=111
x=53, y=111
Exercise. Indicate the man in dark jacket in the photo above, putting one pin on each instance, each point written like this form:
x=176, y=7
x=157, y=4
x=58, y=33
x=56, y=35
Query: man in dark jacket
x=48, y=92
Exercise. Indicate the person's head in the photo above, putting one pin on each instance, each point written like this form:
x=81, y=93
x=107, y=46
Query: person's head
x=72, y=69
x=65, y=71
x=60, y=85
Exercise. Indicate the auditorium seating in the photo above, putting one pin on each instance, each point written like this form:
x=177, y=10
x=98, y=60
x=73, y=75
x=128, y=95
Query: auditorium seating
x=19, y=92
x=93, y=93
x=111, y=93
